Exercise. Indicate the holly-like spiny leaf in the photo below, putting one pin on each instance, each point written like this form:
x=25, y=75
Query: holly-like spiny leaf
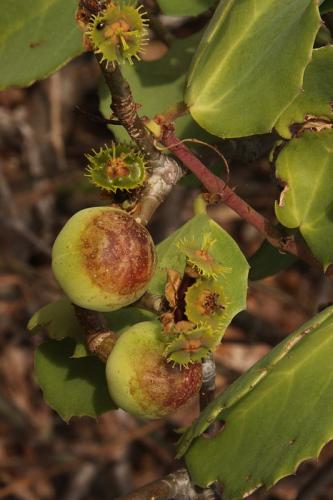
x=72, y=387
x=305, y=165
x=275, y=416
x=58, y=321
x=224, y=250
x=250, y=64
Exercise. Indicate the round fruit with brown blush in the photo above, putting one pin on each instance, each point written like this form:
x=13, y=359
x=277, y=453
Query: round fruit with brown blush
x=103, y=259
x=139, y=378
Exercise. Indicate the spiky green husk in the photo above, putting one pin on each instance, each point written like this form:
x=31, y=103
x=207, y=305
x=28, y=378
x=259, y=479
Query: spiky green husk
x=119, y=167
x=199, y=256
x=205, y=301
x=192, y=346
x=119, y=33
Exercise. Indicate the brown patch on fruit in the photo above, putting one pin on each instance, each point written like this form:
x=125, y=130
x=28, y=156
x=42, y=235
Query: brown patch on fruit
x=162, y=388
x=118, y=253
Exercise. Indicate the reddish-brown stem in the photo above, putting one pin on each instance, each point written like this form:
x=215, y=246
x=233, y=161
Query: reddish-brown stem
x=291, y=244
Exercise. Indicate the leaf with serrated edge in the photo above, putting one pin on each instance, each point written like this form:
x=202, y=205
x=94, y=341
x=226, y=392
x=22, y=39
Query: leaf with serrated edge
x=72, y=387
x=36, y=38
x=276, y=415
x=317, y=95
x=225, y=250
x=58, y=321
x=250, y=64
x=306, y=166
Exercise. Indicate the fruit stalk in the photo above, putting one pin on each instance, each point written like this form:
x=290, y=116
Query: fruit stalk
x=99, y=337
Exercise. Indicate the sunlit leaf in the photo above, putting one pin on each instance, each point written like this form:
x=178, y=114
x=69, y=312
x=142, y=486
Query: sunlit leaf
x=305, y=165
x=275, y=416
x=317, y=96
x=224, y=251
x=250, y=64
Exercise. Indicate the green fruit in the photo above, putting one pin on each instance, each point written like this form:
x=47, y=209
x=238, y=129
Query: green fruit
x=103, y=259
x=139, y=378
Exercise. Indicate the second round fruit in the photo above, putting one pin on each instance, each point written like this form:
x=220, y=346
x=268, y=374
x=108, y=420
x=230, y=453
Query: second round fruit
x=139, y=378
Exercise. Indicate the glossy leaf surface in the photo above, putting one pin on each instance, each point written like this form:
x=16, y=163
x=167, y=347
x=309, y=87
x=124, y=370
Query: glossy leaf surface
x=36, y=38
x=250, y=64
x=276, y=415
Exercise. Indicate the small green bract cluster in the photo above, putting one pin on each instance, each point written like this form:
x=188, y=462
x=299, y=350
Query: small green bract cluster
x=119, y=167
x=119, y=32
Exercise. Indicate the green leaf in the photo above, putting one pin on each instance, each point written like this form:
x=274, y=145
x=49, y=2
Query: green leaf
x=185, y=7
x=317, y=96
x=276, y=415
x=326, y=7
x=224, y=250
x=36, y=38
x=250, y=64
x=72, y=387
x=268, y=260
x=58, y=321
x=306, y=166
x=126, y=317
x=158, y=85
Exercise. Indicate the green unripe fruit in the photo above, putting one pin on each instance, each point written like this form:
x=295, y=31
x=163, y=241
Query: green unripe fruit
x=103, y=259
x=139, y=378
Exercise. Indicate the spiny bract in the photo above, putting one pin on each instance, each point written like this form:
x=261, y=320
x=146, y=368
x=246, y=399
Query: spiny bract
x=119, y=33
x=190, y=346
x=199, y=255
x=119, y=167
x=205, y=301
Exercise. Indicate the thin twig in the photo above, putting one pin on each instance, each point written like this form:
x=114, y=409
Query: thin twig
x=125, y=109
x=291, y=244
x=176, y=485
x=100, y=339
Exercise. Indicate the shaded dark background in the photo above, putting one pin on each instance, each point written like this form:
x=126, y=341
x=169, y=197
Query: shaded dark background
x=44, y=135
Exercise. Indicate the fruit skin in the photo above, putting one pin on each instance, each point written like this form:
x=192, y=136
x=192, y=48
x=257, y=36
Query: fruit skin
x=103, y=259
x=141, y=381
